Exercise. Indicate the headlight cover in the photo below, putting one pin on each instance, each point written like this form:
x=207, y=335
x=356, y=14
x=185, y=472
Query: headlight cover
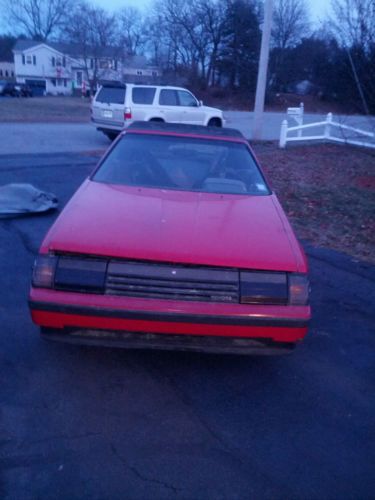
x=260, y=287
x=78, y=274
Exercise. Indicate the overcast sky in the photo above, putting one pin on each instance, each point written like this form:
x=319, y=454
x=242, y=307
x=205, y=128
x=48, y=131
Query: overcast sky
x=318, y=8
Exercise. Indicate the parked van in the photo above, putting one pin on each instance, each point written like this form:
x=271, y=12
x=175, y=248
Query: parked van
x=117, y=105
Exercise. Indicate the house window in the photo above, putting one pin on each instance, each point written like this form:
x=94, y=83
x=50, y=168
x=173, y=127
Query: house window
x=65, y=82
x=64, y=61
x=23, y=59
x=58, y=61
x=139, y=72
x=28, y=60
x=91, y=63
x=104, y=64
x=53, y=81
x=53, y=61
x=115, y=64
x=59, y=82
x=34, y=60
x=12, y=73
x=79, y=78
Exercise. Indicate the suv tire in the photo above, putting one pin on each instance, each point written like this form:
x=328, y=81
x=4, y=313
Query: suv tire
x=214, y=122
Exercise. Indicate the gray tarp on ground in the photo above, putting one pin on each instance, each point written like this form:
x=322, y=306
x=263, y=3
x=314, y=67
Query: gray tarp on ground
x=19, y=199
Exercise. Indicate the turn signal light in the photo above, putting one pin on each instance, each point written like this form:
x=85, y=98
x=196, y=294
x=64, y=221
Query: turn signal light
x=44, y=271
x=299, y=289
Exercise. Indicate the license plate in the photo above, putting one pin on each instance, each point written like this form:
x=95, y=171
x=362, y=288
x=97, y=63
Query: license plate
x=107, y=113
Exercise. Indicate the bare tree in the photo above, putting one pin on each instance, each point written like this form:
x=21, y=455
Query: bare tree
x=188, y=40
x=212, y=15
x=38, y=19
x=93, y=30
x=291, y=22
x=353, y=22
x=131, y=30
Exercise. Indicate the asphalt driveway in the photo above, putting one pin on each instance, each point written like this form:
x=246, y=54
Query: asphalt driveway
x=99, y=423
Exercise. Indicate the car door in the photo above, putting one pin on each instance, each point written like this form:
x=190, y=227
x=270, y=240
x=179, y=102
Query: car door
x=190, y=110
x=169, y=106
x=108, y=106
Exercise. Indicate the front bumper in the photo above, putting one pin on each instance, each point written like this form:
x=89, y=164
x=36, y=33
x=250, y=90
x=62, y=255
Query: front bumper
x=134, y=322
x=194, y=343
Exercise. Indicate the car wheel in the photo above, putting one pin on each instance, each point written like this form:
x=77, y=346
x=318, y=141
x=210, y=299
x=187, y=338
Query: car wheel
x=111, y=135
x=214, y=122
x=160, y=120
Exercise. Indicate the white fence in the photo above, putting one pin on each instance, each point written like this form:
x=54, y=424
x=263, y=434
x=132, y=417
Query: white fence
x=327, y=133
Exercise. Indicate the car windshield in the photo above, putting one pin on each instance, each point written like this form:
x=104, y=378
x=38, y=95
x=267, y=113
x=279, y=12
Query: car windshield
x=182, y=163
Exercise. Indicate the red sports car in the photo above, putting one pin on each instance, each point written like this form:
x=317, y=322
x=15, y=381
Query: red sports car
x=175, y=241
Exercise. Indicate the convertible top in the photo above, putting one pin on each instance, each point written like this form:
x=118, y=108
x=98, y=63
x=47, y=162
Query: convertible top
x=181, y=128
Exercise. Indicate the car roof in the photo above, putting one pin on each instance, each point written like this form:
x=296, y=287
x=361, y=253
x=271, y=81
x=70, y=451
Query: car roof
x=184, y=129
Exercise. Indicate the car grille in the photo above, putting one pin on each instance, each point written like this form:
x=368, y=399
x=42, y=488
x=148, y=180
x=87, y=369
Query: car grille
x=157, y=281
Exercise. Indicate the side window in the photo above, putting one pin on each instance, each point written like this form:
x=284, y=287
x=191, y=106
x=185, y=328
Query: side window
x=168, y=98
x=186, y=99
x=143, y=95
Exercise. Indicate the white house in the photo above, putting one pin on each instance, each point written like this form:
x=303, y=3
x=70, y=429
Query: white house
x=57, y=68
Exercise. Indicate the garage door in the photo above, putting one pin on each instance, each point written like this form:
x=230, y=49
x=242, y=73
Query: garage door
x=38, y=86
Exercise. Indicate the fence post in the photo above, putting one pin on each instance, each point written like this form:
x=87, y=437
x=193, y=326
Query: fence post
x=283, y=133
x=327, y=129
x=300, y=119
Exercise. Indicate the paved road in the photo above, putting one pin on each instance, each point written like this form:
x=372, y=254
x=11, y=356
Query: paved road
x=99, y=423
x=37, y=138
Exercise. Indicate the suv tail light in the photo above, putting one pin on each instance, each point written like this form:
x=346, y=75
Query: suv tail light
x=128, y=114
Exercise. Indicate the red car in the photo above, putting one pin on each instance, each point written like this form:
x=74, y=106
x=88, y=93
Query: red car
x=175, y=241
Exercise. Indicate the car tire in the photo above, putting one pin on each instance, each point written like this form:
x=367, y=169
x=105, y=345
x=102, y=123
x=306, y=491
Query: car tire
x=160, y=120
x=111, y=135
x=214, y=122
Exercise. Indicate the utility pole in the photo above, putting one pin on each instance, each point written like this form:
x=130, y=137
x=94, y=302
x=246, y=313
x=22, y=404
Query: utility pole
x=262, y=71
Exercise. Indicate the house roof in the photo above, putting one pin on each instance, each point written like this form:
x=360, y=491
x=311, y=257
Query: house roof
x=73, y=50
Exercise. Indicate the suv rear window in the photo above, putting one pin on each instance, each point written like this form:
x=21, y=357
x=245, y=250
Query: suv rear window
x=143, y=95
x=116, y=95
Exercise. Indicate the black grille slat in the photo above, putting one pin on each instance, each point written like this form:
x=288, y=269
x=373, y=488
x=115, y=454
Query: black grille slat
x=163, y=281
x=151, y=288
x=117, y=280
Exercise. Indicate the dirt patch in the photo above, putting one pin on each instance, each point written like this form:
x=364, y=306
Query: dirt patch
x=45, y=109
x=327, y=192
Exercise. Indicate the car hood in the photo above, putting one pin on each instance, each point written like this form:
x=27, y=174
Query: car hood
x=173, y=226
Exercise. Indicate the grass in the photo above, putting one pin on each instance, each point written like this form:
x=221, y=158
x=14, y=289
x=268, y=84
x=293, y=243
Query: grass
x=328, y=192
x=45, y=109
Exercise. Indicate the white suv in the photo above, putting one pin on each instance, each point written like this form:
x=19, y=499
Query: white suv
x=116, y=106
